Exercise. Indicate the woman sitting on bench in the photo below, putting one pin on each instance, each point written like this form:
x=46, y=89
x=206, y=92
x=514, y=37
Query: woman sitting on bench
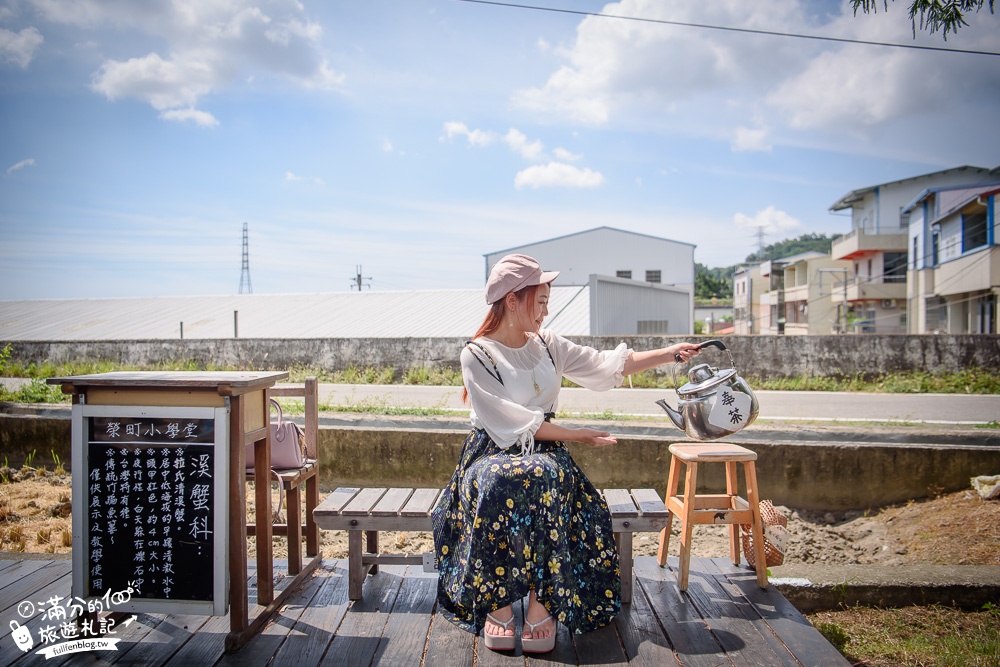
x=519, y=517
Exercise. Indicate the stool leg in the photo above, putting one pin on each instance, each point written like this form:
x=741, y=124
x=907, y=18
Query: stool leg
x=690, y=484
x=757, y=527
x=673, y=481
x=293, y=526
x=732, y=489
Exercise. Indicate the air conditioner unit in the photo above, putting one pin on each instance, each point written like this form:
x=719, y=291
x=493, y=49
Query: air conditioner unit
x=888, y=303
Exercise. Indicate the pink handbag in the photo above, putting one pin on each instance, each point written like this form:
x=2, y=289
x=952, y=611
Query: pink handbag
x=287, y=444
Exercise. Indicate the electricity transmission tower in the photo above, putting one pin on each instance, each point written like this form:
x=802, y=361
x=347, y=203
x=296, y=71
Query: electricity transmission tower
x=245, y=273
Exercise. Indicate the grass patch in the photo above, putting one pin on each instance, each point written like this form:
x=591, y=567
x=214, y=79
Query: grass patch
x=933, y=636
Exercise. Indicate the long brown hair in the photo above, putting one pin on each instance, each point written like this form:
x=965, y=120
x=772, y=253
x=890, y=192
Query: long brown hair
x=494, y=319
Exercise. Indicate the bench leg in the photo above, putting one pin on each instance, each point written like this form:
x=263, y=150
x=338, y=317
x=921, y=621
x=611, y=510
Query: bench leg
x=371, y=539
x=293, y=521
x=624, y=543
x=355, y=565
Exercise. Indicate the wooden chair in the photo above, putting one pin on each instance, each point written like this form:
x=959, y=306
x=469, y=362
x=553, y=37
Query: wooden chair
x=295, y=480
x=721, y=508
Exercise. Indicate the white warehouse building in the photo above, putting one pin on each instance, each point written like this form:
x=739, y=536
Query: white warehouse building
x=636, y=283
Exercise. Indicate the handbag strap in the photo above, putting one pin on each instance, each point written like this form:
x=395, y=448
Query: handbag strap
x=277, y=405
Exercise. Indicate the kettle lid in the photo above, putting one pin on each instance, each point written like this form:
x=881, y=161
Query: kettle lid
x=703, y=377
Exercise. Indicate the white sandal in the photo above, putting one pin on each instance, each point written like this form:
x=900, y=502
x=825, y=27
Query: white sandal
x=500, y=642
x=542, y=645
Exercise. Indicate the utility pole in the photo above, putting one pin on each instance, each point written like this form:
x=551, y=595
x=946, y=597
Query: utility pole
x=245, y=273
x=359, y=280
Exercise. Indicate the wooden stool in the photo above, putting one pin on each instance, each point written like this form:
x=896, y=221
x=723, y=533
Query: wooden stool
x=726, y=507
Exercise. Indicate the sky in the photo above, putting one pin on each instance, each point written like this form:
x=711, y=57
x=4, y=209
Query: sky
x=412, y=137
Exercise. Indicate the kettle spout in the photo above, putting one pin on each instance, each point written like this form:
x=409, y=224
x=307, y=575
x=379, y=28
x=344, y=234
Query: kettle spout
x=676, y=417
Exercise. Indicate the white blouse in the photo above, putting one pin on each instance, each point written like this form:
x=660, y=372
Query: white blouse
x=510, y=409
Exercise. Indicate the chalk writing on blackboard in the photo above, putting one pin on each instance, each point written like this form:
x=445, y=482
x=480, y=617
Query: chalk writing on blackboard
x=150, y=507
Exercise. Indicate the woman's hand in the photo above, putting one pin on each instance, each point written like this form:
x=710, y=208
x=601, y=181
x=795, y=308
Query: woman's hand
x=593, y=437
x=684, y=351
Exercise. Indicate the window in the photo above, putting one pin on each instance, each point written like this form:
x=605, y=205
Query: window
x=894, y=267
x=935, y=246
x=916, y=246
x=973, y=231
x=652, y=276
x=627, y=275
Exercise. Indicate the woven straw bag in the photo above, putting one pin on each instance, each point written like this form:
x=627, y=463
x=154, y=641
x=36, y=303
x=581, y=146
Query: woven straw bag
x=775, y=536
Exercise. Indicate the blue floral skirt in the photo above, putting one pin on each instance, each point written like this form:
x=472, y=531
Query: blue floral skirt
x=507, y=524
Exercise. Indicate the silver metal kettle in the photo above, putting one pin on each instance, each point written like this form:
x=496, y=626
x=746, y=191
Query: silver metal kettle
x=714, y=403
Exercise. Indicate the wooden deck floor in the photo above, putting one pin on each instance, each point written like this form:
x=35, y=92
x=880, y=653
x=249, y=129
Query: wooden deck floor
x=723, y=619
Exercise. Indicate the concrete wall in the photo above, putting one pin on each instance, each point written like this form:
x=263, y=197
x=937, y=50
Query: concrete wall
x=755, y=356
x=805, y=475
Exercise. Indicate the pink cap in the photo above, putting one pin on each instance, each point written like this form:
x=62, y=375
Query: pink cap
x=514, y=272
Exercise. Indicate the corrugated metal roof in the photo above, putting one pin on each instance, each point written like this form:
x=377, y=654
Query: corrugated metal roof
x=402, y=314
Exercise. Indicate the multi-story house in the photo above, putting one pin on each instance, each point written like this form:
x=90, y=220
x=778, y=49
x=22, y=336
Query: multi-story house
x=798, y=294
x=875, y=295
x=747, y=288
x=954, y=264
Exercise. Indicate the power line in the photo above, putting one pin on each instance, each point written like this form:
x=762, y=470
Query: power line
x=707, y=26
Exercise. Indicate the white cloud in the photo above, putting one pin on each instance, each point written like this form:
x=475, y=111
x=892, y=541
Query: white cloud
x=474, y=137
x=208, y=45
x=200, y=118
x=750, y=139
x=518, y=142
x=615, y=65
x=557, y=175
x=770, y=219
x=30, y=162
x=19, y=47
x=387, y=146
x=564, y=155
x=293, y=177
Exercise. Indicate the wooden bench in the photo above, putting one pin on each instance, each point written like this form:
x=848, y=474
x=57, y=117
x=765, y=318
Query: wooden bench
x=363, y=512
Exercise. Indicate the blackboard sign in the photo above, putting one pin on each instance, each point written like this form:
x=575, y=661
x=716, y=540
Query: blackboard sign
x=151, y=505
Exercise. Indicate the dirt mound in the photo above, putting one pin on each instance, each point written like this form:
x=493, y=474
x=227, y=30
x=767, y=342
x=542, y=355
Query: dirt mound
x=955, y=528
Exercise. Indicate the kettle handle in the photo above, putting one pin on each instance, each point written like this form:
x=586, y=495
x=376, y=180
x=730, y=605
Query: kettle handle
x=707, y=343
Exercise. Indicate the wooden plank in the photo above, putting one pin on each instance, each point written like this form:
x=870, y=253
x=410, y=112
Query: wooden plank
x=259, y=651
x=360, y=633
x=367, y=522
x=447, y=644
x=792, y=628
x=693, y=641
x=642, y=638
x=649, y=502
x=314, y=630
x=406, y=631
x=336, y=501
x=62, y=586
x=391, y=502
x=748, y=614
x=745, y=646
x=163, y=640
x=421, y=502
x=600, y=647
x=28, y=578
x=620, y=503
x=362, y=503
x=208, y=645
